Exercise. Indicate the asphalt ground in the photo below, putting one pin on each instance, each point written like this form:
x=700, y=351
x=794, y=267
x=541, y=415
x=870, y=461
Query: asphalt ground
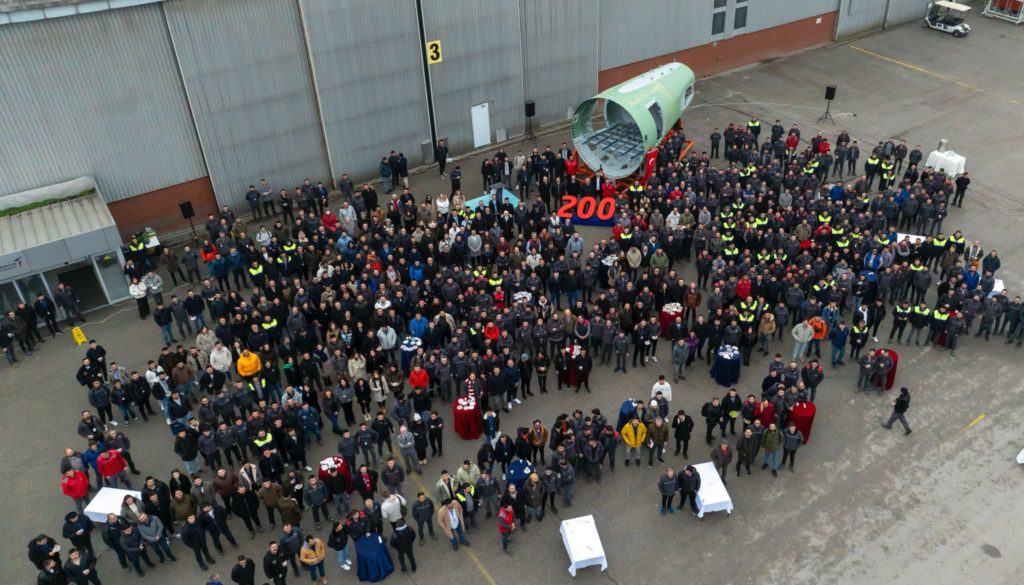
x=864, y=504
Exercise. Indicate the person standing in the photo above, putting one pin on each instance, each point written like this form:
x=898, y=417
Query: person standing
x=402, y=539
x=713, y=416
x=683, y=425
x=80, y=568
x=746, y=450
x=441, y=158
x=634, y=435
x=275, y=564
x=722, y=457
x=792, y=439
x=689, y=486
x=78, y=528
x=193, y=535
x=506, y=524
x=244, y=571
x=312, y=555
x=668, y=485
x=772, y=441
x=450, y=519
x=899, y=410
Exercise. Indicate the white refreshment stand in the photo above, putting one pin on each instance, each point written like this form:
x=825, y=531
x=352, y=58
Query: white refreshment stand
x=582, y=543
x=108, y=500
x=712, y=495
x=947, y=160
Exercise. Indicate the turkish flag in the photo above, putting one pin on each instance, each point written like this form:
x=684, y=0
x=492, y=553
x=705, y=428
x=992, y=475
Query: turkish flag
x=650, y=163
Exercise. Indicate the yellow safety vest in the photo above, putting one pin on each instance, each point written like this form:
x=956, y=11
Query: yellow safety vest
x=256, y=271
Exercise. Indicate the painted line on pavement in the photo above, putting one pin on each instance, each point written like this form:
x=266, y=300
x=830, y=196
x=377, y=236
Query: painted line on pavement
x=976, y=420
x=917, y=68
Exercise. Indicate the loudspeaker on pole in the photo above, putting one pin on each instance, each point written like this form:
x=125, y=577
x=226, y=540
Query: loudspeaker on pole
x=186, y=210
x=531, y=109
x=830, y=92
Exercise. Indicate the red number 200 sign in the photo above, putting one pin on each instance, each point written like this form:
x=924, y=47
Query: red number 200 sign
x=586, y=207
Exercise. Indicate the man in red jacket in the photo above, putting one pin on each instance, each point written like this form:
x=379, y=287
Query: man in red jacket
x=506, y=524
x=75, y=485
x=419, y=378
x=112, y=468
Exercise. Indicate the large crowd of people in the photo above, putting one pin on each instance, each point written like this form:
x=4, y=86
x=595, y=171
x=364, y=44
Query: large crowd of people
x=367, y=320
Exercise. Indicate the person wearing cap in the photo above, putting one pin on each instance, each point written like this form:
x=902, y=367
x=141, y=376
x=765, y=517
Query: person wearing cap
x=899, y=410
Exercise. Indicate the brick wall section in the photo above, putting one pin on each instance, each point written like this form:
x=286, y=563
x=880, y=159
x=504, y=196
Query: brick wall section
x=735, y=52
x=159, y=209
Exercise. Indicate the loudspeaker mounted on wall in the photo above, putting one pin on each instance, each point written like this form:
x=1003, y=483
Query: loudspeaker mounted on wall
x=186, y=210
x=830, y=92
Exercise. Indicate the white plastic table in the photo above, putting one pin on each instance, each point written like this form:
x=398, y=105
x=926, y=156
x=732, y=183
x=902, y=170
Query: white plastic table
x=582, y=543
x=108, y=500
x=948, y=161
x=712, y=495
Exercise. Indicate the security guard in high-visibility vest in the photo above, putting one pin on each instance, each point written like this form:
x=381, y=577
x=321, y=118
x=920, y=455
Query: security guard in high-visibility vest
x=727, y=237
x=938, y=326
x=269, y=327
x=811, y=167
x=746, y=319
x=137, y=251
x=871, y=168
x=754, y=125
x=824, y=217
x=635, y=191
x=731, y=252
x=764, y=256
x=887, y=169
x=843, y=243
x=289, y=247
x=263, y=441
x=256, y=275
x=959, y=241
x=881, y=240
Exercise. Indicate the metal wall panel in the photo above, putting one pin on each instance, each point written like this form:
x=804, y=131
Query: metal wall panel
x=635, y=30
x=94, y=95
x=765, y=14
x=247, y=77
x=482, y=63
x=903, y=11
x=857, y=16
x=561, y=41
x=369, y=73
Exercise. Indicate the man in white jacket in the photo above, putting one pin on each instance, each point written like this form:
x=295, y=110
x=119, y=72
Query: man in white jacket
x=221, y=360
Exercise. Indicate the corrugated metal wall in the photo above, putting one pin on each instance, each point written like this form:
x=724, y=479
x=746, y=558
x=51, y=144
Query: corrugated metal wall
x=247, y=77
x=482, y=63
x=366, y=57
x=763, y=15
x=94, y=95
x=859, y=16
x=561, y=41
x=632, y=31
x=903, y=11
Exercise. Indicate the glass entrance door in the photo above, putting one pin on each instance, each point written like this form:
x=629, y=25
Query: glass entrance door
x=81, y=277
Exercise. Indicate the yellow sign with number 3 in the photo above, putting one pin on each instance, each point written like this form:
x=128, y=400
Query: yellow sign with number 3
x=433, y=52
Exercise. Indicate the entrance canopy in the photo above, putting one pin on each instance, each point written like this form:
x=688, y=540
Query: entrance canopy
x=53, y=226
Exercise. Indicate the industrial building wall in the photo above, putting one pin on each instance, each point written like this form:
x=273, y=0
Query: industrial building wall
x=369, y=73
x=247, y=77
x=560, y=68
x=684, y=34
x=482, y=64
x=95, y=95
x=860, y=16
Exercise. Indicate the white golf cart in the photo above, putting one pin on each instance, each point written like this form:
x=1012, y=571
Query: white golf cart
x=947, y=17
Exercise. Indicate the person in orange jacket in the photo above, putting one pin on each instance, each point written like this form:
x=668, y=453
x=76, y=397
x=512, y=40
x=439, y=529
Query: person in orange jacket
x=248, y=364
x=820, y=331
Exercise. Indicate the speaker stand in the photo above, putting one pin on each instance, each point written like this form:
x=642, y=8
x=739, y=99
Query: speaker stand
x=195, y=238
x=828, y=114
x=529, y=129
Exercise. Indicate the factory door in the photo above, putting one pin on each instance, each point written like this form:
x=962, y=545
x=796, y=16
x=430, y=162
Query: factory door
x=481, y=117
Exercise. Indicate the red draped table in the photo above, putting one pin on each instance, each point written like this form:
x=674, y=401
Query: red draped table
x=466, y=418
x=668, y=314
x=339, y=463
x=802, y=416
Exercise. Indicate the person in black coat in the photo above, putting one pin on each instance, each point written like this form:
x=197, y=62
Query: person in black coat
x=689, y=485
x=275, y=564
x=365, y=481
x=81, y=568
x=402, y=540
x=78, y=529
x=41, y=548
x=193, y=535
x=682, y=426
x=246, y=505
x=244, y=571
x=214, y=519
x=51, y=573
